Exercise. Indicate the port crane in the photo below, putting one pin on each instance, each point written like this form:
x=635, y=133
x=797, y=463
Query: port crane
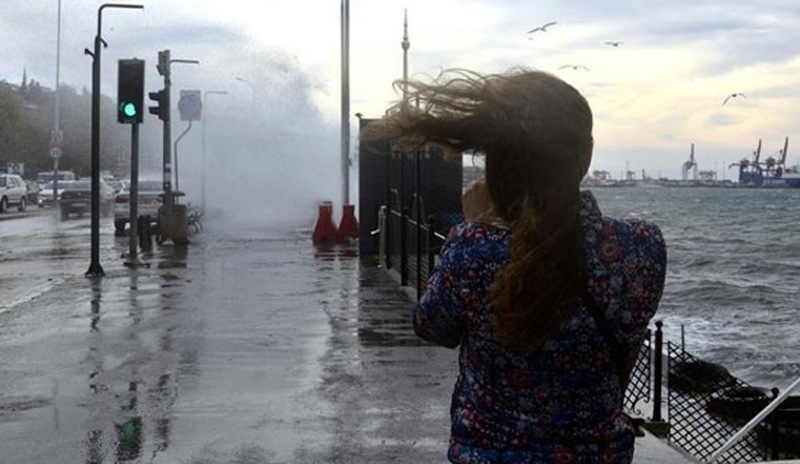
x=767, y=173
x=690, y=164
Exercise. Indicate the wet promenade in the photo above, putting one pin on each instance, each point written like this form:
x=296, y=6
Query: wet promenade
x=246, y=347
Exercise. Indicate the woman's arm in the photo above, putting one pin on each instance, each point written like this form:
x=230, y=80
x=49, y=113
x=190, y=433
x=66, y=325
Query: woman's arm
x=437, y=317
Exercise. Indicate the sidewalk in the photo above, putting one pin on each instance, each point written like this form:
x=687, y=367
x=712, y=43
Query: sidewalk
x=242, y=347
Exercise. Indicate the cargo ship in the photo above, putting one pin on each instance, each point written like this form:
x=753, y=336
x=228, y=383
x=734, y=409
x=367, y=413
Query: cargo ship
x=770, y=173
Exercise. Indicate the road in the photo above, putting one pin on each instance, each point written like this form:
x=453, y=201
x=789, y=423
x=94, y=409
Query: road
x=245, y=346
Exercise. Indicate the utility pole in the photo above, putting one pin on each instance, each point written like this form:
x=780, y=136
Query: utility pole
x=345, y=102
x=164, y=113
x=95, y=269
x=56, y=138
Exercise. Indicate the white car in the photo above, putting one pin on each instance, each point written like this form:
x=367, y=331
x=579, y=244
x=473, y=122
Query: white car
x=150, y=200
x=46, y=192
x=13, y=191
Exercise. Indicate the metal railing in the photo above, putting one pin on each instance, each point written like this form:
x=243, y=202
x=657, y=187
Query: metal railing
x=711, y=414
x=408, y=246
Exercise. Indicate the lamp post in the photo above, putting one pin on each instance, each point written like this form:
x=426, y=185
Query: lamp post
x=345, y=115
x=95, y=269
x=203, y=162
x=56, y=137
x=252, y=87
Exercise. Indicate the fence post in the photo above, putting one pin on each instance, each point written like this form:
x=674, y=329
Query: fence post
x=382, y=234
x=658, y=367
x=429, y=248
x=774, y=426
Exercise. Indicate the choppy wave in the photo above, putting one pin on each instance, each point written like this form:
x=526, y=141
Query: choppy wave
x=732, y=276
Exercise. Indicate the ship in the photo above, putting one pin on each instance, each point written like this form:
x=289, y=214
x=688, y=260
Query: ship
x=769, y=173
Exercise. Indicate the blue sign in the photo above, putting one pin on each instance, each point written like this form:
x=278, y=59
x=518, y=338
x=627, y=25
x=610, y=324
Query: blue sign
x=190, y=105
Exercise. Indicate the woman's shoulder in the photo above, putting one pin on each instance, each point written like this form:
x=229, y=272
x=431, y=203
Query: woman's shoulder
x=633, y=227
x=475, y=232
x=478, y=241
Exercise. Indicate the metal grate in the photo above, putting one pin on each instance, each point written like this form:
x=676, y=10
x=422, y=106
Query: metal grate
x=704, y=403
x=640, y=383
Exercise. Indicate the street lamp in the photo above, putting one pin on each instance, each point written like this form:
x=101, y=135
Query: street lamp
x=95, y=269
x=252, y=87
x=205, y=123
x=56, y=137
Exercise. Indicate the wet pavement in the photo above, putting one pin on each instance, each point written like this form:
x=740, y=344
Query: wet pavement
x=246, y=346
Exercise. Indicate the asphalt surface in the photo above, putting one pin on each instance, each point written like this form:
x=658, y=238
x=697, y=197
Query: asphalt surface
x=246, y=346
x=241, y=347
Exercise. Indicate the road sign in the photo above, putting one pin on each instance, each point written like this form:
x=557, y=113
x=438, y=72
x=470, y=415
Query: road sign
x=190, y=105
x=55, y=152
x=56, y=139
x=16, y=168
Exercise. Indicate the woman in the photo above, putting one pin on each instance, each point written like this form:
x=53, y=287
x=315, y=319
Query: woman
x=518, y=282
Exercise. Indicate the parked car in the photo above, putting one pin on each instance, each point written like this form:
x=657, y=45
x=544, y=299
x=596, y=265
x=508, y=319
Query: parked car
x=47, y=176
x=76, y=198
x=45, y=196
x=115, y=184
x=150, y=199
x=13, y=192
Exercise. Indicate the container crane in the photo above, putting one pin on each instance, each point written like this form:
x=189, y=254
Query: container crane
x=690, y=164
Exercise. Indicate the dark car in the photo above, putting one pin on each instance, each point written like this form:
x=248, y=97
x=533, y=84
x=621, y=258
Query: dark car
x=150, y=199
x=76, y=198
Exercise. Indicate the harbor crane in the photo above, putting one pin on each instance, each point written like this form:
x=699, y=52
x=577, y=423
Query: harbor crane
x=690, y=164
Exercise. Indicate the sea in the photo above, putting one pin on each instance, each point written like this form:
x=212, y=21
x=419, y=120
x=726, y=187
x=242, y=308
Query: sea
x=732, y=293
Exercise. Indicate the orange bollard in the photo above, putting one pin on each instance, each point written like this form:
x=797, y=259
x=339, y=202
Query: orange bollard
x=324, y=229
x=348, y=227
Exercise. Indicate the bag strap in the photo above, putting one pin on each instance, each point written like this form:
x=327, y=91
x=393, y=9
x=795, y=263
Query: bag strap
x=611, y=340
x=616, y=352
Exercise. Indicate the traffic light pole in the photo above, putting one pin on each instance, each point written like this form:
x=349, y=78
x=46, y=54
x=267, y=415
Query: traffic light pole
x=164, y=68
x=95, y=269
x=134, y=196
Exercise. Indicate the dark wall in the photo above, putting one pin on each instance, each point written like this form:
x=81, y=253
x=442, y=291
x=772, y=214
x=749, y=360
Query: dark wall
x=372, y=188
x=387, y=178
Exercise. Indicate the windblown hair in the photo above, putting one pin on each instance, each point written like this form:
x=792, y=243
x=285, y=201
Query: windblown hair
x=536, y=133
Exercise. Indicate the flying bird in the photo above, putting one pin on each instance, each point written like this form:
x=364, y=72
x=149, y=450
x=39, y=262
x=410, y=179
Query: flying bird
x=574, y=67
x=614, y=43
x=543, y=27
x=733, y=95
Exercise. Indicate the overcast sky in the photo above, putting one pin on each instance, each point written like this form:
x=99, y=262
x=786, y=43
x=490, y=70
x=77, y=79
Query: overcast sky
x=654, y=95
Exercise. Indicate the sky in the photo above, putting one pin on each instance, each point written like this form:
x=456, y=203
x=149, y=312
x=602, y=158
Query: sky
x=654, y=95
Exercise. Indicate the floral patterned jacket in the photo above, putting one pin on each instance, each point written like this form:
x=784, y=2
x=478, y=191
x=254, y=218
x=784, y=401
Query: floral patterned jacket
x=562, y=403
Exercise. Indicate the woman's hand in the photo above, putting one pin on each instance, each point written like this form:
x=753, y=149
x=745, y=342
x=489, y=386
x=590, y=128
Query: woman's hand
x=477, y=204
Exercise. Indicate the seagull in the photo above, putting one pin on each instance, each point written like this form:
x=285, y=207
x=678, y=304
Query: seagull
x=574, y=66
x=733, y=95
x=614, y=43
x=542, y=28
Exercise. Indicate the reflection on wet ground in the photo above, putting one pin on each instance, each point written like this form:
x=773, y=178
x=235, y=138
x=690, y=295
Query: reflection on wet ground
x=236, y=349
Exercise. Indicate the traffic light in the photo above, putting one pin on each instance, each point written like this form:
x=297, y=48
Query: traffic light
x=162, y=107
x=130, y=91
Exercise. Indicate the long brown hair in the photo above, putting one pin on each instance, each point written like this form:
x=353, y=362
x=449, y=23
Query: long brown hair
x=536, y=133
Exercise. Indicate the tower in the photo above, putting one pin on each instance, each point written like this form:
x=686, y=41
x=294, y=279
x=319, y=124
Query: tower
x=406, y=45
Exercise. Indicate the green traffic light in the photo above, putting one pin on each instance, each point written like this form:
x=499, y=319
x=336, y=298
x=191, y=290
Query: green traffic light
x=129, y=109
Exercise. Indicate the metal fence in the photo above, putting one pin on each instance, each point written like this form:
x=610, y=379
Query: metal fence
x=411, y=247
x=706, y=405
